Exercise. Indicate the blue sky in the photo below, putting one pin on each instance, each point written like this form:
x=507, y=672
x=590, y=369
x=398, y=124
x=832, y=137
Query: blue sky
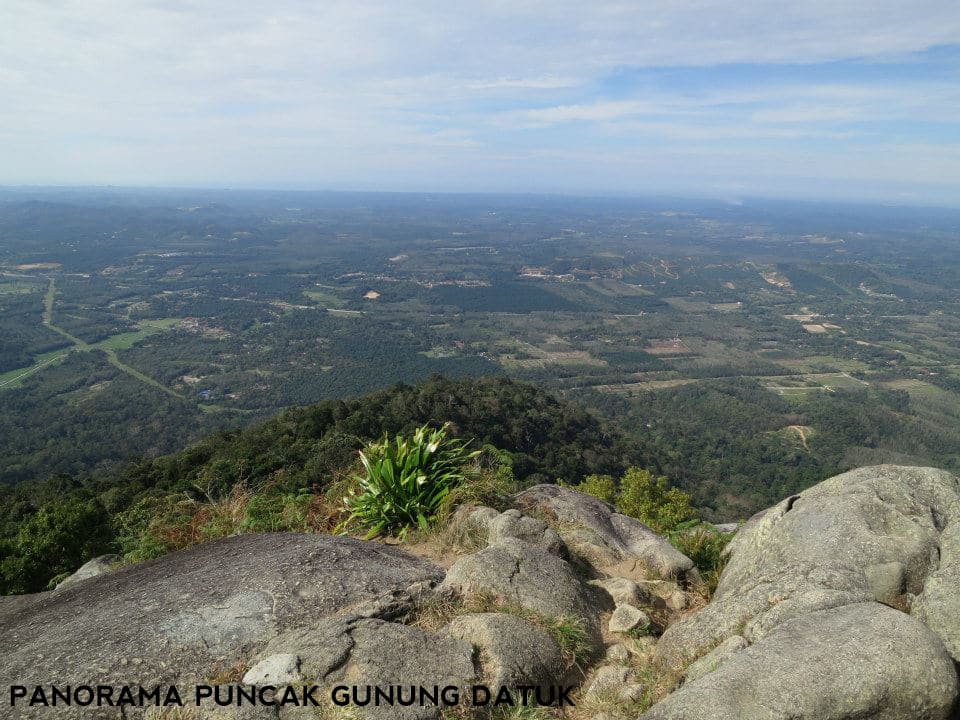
x=809, y=99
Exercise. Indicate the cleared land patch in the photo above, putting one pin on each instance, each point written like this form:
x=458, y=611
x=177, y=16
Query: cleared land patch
x=38, y=266
x=526, y=355
x=125, y=341
x=667, y=347
x=324, y=297
x=644, y=386
x=701, y=306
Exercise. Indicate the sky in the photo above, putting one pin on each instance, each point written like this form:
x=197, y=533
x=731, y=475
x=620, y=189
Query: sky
x=813, y=99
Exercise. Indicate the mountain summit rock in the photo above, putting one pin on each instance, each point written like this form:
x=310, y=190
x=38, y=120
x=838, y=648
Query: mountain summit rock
x=838, y=603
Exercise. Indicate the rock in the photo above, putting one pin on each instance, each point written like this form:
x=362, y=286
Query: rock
x=475, y=527
x=886, y=580
x=725, y=528
x=512, y=524
x=280, y=669
x=479, y=515
x=864, y=661
x=618, y=653
x=626, y=618
x=658, y=588
x=526, y=575
x=612, y=543
x=513, y=651
x=624, y=591
x=715, y=658
x=607, y=680
x=867, y=535
x=186, y=612
x=91, y=569
x=632, y=692
x=938, y=606
x=470, y=526
x=678, y=600
x=16, y=605
x=358, y=651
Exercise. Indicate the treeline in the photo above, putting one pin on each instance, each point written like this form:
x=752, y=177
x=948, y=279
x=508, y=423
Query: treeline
x=49, y=528
x=736, y=447
x=733, y=445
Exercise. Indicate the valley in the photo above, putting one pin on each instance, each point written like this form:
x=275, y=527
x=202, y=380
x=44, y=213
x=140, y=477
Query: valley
x=706, y=332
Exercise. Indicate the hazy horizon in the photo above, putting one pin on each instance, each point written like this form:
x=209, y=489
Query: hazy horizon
x=690, y=98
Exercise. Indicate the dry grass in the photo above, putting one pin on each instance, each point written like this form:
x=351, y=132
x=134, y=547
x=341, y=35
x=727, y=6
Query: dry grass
x=658, y=681
x=227, y=674
x=160, y=525
x=569, y=633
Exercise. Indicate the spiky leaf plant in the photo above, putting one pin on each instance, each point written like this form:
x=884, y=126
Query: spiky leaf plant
x=406, y=481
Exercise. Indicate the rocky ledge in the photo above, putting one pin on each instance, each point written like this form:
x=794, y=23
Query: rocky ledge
x=840, y=603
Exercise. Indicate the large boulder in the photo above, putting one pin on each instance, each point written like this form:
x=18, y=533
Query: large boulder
x=94, y=568
x=872, y=534
x=528, y=576
x=353, y=650
x=512, y=651
x=938, y=606
x=614, y=544
x=476, y=526
x=185, y=617
x=864, y=661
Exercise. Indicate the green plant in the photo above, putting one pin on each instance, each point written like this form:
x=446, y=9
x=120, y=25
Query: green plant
x=490, y=482
x=407, y=481
x=652, y=501
x=63, y=535
x=570, y=635
x=523, y=712
x=603, y=487
x=157, y=525
x=703, y=544
x=641, y=631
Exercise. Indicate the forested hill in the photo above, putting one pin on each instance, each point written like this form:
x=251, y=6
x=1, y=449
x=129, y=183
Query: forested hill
x=51, y=527
x=548, y=438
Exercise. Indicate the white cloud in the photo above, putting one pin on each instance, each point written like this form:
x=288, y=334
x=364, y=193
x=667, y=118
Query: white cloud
x=214, y=91
x=596, y=112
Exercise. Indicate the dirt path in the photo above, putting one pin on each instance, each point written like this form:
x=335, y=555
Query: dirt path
x=82, y=345
x=802, y=432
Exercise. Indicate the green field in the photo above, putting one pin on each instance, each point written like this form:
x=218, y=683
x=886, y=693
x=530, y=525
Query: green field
x=14, y=378
x=325, y=297
x=124, y=341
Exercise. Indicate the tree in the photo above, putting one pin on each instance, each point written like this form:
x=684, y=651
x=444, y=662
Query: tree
x=62, y=536
x=652, y=501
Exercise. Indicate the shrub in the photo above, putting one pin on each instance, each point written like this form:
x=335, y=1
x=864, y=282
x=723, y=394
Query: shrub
x=489, y=481
x=666, y=510
x=703, y=544
x=653, y=502
x=63, y=535
x=407, y=481
x=158, y=525
x=603, y=487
